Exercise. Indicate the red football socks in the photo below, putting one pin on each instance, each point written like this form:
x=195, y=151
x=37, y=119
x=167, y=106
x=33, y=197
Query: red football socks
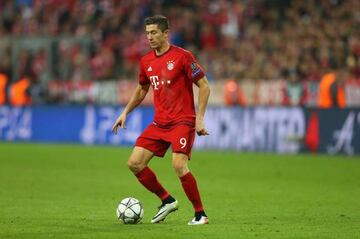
x=191, y=190
x=147, y=178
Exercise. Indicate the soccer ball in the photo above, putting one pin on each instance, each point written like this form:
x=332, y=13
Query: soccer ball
x=130, y=211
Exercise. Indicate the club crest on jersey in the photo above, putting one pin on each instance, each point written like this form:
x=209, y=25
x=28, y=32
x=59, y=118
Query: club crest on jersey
x=170, y=65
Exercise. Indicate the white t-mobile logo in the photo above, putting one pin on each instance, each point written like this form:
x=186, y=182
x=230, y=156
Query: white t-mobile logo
x=155, y=82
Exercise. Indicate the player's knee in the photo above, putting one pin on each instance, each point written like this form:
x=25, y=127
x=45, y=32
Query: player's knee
x=180, y=168
x=135, y=166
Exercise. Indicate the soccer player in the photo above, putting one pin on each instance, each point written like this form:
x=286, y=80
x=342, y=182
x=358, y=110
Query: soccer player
x=171, y=71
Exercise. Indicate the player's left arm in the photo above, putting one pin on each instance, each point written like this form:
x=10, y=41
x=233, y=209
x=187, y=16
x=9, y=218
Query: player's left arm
x=204, y=92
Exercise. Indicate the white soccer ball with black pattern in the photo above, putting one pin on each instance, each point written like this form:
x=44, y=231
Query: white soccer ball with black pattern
x=130, y=211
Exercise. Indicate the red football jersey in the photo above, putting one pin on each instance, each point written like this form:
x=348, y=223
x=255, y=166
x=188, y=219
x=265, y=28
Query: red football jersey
x=171, y=75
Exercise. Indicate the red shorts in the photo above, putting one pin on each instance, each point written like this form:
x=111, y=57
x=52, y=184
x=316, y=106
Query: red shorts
x=157, y=140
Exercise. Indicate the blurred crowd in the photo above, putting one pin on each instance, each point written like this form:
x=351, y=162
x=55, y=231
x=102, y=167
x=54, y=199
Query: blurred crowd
x=51, y=48
x=239, y=39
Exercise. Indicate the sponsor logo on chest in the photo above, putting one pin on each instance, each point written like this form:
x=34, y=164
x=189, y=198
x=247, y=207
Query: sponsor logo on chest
x=157, y=81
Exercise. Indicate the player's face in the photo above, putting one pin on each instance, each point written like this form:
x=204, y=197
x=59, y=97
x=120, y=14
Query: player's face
x=155, y=36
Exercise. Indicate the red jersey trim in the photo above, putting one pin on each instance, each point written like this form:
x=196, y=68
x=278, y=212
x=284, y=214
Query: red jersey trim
x=163, y=53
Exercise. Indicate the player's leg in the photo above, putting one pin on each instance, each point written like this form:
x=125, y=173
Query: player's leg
x=188, y=182
x=182, y=139
x=137, y=163
x=151, y=143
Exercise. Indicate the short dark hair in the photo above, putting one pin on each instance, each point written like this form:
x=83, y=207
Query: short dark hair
x=161, y=21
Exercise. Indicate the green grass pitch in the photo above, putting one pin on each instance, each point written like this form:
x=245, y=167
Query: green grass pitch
x=65, y=191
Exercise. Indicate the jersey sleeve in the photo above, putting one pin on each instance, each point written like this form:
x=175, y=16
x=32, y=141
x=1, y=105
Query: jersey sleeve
x=143, y=79
x=192, y=69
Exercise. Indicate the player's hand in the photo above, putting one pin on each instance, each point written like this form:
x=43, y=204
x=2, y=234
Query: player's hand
x=200, y=127
x=120, y=122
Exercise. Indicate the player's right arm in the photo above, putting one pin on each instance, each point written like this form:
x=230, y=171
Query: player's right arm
x=137, y=97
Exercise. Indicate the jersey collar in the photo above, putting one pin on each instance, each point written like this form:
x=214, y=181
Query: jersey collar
x=164, y=52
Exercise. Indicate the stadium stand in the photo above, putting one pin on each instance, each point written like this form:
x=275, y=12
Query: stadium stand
x=282, y=47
